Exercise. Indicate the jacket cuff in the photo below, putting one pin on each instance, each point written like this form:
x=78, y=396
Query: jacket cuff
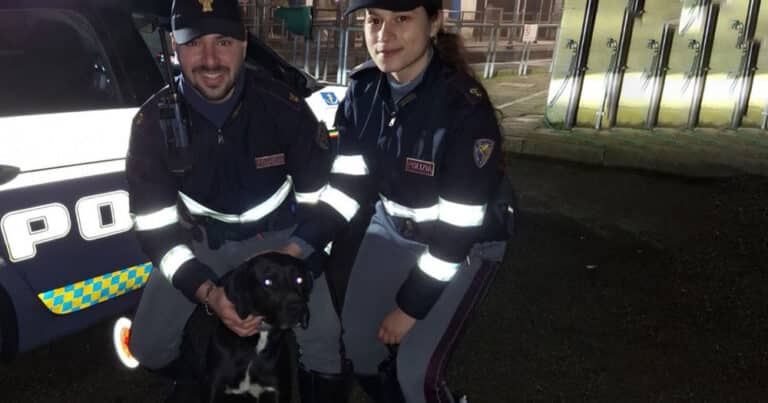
x=306, y=248
x=190, y=276
x=419, y=293
x=321, y=228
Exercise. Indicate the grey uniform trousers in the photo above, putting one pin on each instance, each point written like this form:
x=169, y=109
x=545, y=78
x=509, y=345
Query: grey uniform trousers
x=382, y=265
x=158, y=324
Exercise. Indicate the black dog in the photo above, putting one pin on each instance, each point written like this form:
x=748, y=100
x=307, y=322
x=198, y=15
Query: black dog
x=257, y=368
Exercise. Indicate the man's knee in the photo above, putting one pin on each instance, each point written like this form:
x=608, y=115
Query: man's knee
x=320, y=347
x=150, y=353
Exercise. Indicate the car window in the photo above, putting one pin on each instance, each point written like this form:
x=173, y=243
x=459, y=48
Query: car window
x=51, y=61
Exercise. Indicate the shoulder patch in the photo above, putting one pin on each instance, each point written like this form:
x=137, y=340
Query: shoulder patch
x=470, y=89
x=475, y=94
x=482, y=152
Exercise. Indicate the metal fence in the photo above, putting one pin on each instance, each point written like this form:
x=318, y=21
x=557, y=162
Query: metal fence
x=336, y=44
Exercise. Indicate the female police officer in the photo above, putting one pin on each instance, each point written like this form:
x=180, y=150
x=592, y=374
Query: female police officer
x=418, y=133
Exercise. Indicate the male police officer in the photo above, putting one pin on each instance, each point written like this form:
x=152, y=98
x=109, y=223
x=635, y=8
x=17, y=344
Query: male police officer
x=258, y=160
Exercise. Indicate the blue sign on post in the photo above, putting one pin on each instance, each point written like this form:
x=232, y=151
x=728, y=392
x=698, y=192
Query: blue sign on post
x=330, y=98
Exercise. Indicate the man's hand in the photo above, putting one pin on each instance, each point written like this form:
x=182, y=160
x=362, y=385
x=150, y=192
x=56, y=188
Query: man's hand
x=218, y=302
x=395, y=326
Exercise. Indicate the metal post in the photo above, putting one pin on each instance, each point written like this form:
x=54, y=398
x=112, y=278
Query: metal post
x=317, y=52
x=522, y=60
x=552, y=62
x=700, y=80
x=551, y=6
x=617, y=80
x=327, y=57
x=525, y=10
x=660, y=75
x=582, y=56
x=339, y=68
x=487, y=70
x=346, y=57
x=495, y=31
x=294, y=49
x=745, y=86
x=257, y=27
x=307, y=43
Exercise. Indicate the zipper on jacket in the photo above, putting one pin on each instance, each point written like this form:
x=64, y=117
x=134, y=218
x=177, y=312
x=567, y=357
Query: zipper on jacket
x=392, y=118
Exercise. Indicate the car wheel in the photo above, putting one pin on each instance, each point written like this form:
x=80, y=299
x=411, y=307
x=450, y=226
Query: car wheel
x=121, y=334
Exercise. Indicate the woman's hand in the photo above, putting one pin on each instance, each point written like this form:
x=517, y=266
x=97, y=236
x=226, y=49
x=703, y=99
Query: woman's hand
x=395, y=326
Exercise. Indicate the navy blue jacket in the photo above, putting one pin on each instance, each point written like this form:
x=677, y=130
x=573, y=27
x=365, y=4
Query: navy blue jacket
x=433, y=159
x=246, y=177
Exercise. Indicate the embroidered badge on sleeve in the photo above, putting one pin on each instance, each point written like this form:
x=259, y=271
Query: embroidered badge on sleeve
x=482, y=152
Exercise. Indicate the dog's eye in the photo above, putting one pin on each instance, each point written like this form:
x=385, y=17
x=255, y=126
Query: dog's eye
x=299, y=280
x=267, y=282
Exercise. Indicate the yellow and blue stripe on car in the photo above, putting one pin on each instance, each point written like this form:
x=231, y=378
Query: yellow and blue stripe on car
x=84, y=294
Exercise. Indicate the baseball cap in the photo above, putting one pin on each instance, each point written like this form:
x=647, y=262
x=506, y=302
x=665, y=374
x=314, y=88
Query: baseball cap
x=191, y=19
x=393, y=5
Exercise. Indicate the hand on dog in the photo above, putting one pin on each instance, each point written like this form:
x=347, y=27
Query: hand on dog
x=395, y=326
x=225, y=310
x=291, y=249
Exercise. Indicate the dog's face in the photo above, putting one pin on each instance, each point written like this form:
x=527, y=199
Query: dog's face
x=272, y=285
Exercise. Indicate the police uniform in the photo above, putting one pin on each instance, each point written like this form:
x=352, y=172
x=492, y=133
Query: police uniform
x=249, y=181
x=252, y=179
x=431, y=162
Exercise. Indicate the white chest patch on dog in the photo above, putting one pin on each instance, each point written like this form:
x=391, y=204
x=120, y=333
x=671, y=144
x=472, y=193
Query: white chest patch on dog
x=263, y=335
x=246, y=386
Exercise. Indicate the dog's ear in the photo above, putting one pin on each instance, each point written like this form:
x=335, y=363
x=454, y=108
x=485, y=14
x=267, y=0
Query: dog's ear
x=238, y=290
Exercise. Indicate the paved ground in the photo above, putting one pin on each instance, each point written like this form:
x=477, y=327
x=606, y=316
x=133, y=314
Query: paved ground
x=698, y=153
x=621, y=286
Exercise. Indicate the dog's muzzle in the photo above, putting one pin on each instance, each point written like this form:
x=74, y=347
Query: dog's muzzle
x=291, y=315
x=300, y=313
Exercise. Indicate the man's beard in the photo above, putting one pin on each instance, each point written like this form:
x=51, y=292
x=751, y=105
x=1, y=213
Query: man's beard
x=215, y=95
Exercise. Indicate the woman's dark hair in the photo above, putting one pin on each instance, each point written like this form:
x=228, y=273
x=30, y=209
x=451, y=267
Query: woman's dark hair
x=451, y=50
x=450, y=46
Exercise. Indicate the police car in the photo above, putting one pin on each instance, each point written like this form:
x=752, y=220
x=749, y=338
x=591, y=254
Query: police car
x=72, y=75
